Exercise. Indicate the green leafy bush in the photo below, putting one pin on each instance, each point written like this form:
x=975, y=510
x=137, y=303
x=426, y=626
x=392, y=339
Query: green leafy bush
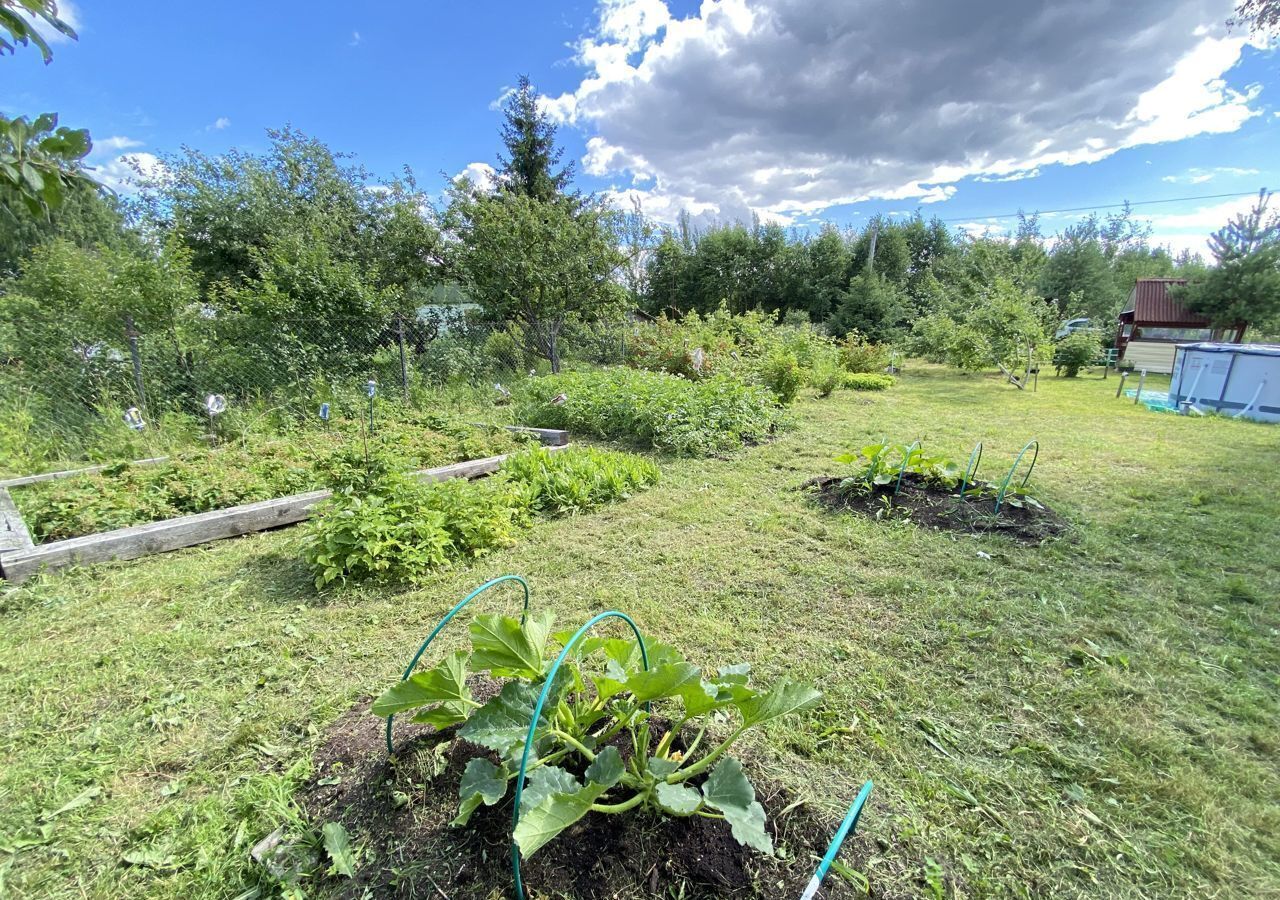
x=826, y=377
x=669, y=413
x=1075, y=351
x=859, y=355
x=781, y=374
x=397, y=528
x=600, y=699
x=858, y=381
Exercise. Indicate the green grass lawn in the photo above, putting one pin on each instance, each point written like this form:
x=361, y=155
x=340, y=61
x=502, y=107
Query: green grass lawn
x=1097, y=717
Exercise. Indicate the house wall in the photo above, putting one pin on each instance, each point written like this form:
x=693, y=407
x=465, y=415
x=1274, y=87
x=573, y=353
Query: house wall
x=1154, y=356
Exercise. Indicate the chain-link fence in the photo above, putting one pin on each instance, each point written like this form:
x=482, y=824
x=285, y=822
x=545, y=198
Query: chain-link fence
x=59, y=379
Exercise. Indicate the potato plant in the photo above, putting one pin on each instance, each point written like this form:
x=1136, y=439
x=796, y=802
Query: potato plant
x=599, y=747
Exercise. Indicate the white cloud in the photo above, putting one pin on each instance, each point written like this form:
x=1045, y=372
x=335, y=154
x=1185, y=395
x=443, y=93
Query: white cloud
x=1190, y=230
x=120, y=173
x=1196, y=175
x=115, y=143
x=219, y=124
x=355, y=39
x=785, y=108
x=482, y=175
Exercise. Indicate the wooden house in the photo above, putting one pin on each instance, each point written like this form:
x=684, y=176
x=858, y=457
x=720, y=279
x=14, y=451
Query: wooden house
x=1153, y=324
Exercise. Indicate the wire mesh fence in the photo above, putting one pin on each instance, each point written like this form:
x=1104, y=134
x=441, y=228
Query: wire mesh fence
x=57, y=379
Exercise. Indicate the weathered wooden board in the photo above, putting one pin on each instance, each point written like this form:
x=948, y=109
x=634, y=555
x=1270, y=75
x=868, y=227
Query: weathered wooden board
x=187, y=531
x=72, y=473
x=552, y=437
x=13, y=530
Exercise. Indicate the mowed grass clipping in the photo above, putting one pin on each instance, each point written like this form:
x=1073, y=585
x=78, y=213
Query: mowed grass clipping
x=1097, y=717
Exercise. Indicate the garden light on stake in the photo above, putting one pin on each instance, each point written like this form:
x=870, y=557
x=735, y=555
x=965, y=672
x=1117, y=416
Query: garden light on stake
x=214, y=405
x=371, y=388
x=133, y=418
x=324, y=415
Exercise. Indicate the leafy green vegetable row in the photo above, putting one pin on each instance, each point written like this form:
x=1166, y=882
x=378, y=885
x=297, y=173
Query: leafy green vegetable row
x=394, y=527
x=879, y=466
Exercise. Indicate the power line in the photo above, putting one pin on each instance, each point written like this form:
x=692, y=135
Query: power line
x=1104, y=206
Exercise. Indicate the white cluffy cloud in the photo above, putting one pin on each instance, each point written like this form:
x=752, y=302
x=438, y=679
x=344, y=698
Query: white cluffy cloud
x=785, y=108
x=119, y=171
x=1196, y=175
x=219, y=124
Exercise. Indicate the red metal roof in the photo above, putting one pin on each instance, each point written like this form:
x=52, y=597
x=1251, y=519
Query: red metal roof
x=1151, y=304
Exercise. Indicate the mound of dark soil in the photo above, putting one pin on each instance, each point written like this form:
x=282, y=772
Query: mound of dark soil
x=936, y=507
x=398, y=813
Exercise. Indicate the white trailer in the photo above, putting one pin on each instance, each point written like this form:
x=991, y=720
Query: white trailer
x=1240, y=380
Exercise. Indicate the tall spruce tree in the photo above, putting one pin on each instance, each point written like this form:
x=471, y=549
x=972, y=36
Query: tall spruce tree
x=530, y=138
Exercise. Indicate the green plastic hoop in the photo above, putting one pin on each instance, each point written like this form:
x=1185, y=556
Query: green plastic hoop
x=902, y=470
x=971, y=470
x=537, y=713
x=445, y=621
x=1014, y=468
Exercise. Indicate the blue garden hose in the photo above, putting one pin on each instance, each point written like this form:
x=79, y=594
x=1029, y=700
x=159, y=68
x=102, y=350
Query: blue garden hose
x=445, y=621
x=849, y=824
x=533, y=726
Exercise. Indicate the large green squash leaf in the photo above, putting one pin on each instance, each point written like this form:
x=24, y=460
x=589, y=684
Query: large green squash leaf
x=607, y=768
x=678, y=799
x=545, y=781
x=482, y=782
x=503, y=723
x=782, y=699
x=728, y=790
x=506, y=649
x=662, y=681
x=447, y=681
x=557, y=812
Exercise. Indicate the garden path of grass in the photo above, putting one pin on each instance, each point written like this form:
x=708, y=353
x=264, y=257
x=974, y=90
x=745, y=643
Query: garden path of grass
x=1096, y=717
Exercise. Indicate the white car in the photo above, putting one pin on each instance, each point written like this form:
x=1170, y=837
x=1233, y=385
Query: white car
x=1069, y=326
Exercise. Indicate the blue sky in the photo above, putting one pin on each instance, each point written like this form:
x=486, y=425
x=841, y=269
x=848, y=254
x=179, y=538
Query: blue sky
x=821, y=110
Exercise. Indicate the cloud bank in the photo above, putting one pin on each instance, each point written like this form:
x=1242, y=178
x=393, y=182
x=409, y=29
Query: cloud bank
x=785, y=108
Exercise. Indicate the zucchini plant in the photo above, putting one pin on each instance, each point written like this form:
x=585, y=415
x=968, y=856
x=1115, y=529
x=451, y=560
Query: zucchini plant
x=879, y=465
x=598, y=747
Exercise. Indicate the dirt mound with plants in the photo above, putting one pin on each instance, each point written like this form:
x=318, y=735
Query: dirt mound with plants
x=397, y=813
x=935, y=506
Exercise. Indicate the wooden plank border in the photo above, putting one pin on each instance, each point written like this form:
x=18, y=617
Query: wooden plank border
x=13, y=530
x=187, y=531
x=72, y=473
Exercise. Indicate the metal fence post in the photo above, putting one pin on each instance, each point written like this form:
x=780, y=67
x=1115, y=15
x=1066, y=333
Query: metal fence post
x=131, y=335
x=404, y=364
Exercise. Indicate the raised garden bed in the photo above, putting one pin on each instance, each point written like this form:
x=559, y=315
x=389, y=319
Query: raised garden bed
x=20, y=558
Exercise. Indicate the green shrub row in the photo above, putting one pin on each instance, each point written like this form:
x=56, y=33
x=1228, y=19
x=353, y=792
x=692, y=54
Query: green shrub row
x=755, y=348
x=857, y=381
x=652, y=409
x=401, y=529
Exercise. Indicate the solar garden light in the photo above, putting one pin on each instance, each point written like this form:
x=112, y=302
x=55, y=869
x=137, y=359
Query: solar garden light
x=133, y=418
x=371, y=388
x=324, y=415
x=214, y=405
